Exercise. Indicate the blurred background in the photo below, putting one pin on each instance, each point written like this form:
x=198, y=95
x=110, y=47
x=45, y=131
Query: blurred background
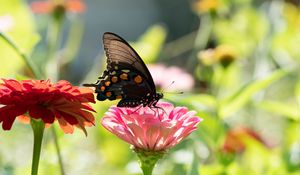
x=237, y=62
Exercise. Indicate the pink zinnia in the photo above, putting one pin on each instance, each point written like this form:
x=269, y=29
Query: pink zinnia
x=151, y=129
x=163, y=77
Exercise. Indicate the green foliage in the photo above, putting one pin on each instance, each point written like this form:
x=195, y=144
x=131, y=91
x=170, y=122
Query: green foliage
x=20, y=27
x=150, y=43
x=239, y=98
x=285, y=40
x=238, y=30
x=290, y=111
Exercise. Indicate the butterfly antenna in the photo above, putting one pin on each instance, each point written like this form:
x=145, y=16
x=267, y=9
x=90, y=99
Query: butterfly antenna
x=163, y=90
x=181, y=92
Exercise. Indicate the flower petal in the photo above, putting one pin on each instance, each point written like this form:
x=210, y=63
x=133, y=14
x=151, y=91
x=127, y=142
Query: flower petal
x=46, y=101
x=147, y=129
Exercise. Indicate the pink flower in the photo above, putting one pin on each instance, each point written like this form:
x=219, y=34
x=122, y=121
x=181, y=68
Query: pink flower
x=163, y=76
x=151, y=129
x=6, y=23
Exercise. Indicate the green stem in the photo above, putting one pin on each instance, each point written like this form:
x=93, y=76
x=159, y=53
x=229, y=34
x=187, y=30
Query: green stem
x=54, y=40
x=62, y=171
x=147, y=168
x=202, y=38
x=28, y=61
x=53, y=67
x=38, y=132
x=148, y=159
x=204, y=32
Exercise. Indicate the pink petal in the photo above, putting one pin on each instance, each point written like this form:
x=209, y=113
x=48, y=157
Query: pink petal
x=148, y=129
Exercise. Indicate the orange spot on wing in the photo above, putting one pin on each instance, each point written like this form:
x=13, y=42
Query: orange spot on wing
x=107, y=83
x=108, y=94
x=114, y=79
x=138, y=79
x=102, y=88
x=124, y=76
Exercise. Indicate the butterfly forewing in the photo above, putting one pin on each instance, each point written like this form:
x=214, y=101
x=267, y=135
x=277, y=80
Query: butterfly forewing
x=118, y=50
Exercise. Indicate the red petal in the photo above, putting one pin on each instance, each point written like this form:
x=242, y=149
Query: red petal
x=43, y=113
x=48, y=116
x=13, y=84
x=7, y=122
x=87, y=107
x=86, y=95
x=67, y=128
x=69, y=118
x=88, y=118
x=8, y=115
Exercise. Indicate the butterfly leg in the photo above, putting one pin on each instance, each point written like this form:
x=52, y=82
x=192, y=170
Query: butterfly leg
x=157, y=107
x=104, y=74
x=139, y=107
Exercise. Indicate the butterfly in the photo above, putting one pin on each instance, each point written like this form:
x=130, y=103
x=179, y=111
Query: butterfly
x=126, y=76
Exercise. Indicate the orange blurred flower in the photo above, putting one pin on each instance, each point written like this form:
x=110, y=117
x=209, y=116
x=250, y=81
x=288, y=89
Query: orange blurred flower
x=204, y=6
x=234, y=141
x=52, y=6
x=223, y=54
x=41, y=99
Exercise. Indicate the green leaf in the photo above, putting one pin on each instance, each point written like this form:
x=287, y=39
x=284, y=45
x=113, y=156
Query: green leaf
x=17, y=23
x=243, y=95
x=197, y=101
x=246, y=18
x=297, y=90
x=150, y=43
x=290, y=111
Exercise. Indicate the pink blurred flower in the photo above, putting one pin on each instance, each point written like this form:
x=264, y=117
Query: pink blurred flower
x=151, y=129
x=163, y=76
x=6, y=23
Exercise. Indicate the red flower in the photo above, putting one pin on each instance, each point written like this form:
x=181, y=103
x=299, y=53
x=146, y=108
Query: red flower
x=41, y=99
x=48, y=6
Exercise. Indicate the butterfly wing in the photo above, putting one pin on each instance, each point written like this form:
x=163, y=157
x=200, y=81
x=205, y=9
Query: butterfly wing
x=119, y=52
x=138, y=87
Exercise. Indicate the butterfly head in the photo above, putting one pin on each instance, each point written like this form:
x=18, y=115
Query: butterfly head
x=159, y=96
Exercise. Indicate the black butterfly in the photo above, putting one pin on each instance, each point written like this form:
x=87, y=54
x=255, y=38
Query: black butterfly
x=126, y=76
